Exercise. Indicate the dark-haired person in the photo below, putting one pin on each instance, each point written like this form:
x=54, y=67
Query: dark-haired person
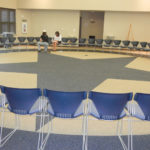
x=43, y=41
x=57, y=39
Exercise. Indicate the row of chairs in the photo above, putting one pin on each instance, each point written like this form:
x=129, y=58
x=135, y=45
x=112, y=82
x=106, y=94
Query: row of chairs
x=103, y=106
x=145, y=46
x=11, y=41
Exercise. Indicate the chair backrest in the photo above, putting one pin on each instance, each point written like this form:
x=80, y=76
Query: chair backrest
x=135, y=43
x=126, y=43
x=3, y=39
x=21, y=39
x=73, y=40
x=12, y=39
x=37, y=39
x=82, y=40
x=65, y=104
x=109, y=106
x=91, y=41
x=143, y=44
x=50, y=40
x=143, y=101
x=117, y=42
x=30, y=39
x=108, y=41
x=148, y=45
x=65, y=40
x=21, y=100
x=99, y=41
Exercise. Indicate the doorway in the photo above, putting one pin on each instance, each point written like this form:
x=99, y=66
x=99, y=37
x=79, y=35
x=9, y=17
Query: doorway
x=91, y=24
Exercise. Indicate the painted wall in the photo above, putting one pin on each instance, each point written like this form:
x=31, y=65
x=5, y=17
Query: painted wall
x=8, y=4
x=104, y=5
x=22, y=15
x=117, y=24
x=67, y=22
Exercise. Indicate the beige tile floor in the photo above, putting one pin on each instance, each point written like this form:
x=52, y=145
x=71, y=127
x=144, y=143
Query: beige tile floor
x=89, y=55
x=95, y=127
x=140, y=63
x=18, y=57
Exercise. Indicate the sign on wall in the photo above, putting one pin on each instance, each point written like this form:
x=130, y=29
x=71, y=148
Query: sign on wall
x=24, y=27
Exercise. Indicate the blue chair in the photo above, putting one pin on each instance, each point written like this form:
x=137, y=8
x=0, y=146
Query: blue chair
x=3, y=42
x=108, y=43
x=50, y=41
x=65, y=41
x=147, y=49
x=65, y=105
x=106, y=106
x=116, y=43
x=143, y=46
x=31, y=41
x=99, y=42
x=134, y=45
x=140, y=109
x=91, y=42
x=82, y=42
x=37, y=39
x=73, y=41
x=21, y=102
x=126, y=44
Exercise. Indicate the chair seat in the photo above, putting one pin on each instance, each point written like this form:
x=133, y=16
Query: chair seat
x=95, y=114
x=146, y=49
x=124, y=46
x=107, y=45
x=23, y=43
x=31, y=43
x=115, y=46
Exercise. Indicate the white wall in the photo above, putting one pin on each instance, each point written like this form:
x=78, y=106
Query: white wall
x=117, y=24
x=67, y=22
x=20, y=16
x=8, y=4
x=103, y=5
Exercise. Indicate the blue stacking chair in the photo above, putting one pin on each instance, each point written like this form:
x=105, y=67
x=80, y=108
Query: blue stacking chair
x=108, y=43
x=140, y=108
x=106, y=106
x=67, y=105
x=126, y=44
x=116, y=43
x=65, y=41
x=37, y=39
x=99, y=42
x=143, y=46
x=73, y=41
x=147, y=49
x=91, y=42
x=31, y=41
x=50, y=40
x=3, y=42
x=21, y=102
x=82, y=42
x=134, y=45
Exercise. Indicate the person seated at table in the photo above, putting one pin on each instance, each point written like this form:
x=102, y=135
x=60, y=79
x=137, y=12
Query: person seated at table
x=43, y=41
x=57, y=39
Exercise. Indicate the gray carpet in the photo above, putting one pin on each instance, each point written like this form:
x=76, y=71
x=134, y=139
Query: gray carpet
x=24, y=140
